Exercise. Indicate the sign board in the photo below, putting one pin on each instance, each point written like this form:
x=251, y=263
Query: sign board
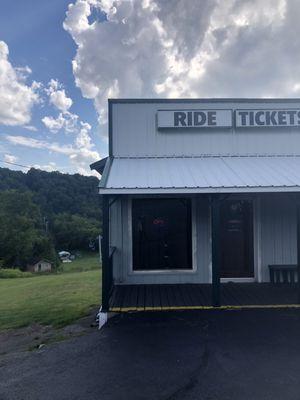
x=267, y=118
x=194, y=119
x=253, y=118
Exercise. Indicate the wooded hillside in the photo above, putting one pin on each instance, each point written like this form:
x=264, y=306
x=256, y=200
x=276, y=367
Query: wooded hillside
x=44, y=212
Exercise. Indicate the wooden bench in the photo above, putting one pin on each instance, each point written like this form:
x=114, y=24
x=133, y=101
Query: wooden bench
x=283, y=273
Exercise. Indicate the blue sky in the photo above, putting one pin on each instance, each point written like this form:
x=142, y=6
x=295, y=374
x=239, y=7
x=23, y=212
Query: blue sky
x=35, y=37
x=60, y=61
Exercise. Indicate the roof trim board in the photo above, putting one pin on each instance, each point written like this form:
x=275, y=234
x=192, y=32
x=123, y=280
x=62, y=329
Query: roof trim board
x=205, y=100
x=105, y=174
x=271, y=189
x=99, y=165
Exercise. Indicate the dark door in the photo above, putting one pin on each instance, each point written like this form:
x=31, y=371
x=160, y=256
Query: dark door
x=237, y=239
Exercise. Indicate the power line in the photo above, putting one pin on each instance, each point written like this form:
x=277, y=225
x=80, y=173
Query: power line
x=18, y=165
x=26, y=166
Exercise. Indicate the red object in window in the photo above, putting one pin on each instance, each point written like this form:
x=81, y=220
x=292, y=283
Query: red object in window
x=159, y=221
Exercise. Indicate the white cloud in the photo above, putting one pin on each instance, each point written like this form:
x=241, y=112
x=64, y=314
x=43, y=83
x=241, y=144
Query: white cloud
x=58, y=97
x=208, y=48
x=83, y=150
x=46, y=167
x=23, y=72
x=60, y=100
x=30, y=128
x=16, y=97
x=119, y=57
x=81, y=154
x=83, y=138
x=10, y=158
x=53, y=124
x=40, y=144
x=85, y=153
x=66, y=121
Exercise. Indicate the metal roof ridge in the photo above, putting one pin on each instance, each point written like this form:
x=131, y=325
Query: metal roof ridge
x=208, y=156
x=206, y=99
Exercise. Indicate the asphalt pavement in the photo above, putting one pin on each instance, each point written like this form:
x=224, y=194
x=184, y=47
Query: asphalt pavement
x=249, y=354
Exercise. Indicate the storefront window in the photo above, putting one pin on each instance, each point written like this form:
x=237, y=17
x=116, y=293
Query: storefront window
x=162, y=234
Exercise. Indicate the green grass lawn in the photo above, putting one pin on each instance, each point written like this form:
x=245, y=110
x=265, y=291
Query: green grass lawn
x=55, y=299
x=85, y=262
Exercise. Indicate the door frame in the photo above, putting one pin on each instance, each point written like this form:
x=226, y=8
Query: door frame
x=256, y=241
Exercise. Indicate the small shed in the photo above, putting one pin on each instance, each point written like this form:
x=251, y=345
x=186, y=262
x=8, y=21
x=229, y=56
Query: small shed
x=40, y=265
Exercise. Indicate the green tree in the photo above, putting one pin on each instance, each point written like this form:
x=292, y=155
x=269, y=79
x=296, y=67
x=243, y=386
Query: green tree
x=70, y=204
x=21, y=230
x=74, y=232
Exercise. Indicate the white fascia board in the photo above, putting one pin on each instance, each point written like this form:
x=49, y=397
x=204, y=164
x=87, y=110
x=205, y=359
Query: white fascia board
x=267, y=189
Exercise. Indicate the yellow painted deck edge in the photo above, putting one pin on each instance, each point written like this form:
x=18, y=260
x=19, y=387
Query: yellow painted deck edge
x=173, y=308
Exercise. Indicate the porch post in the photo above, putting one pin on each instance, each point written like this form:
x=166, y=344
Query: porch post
x=298, y=250
x=216, y=259
x=105, y=254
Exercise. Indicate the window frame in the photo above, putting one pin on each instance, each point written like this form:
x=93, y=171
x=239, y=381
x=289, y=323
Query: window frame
x=193, y=238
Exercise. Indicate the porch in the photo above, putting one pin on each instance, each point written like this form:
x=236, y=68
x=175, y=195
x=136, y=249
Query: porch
x=125, y=298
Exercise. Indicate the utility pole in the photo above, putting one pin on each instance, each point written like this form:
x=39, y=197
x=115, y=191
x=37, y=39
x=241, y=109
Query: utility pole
x=46, y=222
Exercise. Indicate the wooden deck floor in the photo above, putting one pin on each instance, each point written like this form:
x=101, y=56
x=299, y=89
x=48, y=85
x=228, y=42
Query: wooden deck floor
x=198, y=296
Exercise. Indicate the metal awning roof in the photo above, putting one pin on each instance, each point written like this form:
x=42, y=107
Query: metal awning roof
x=206, y=174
